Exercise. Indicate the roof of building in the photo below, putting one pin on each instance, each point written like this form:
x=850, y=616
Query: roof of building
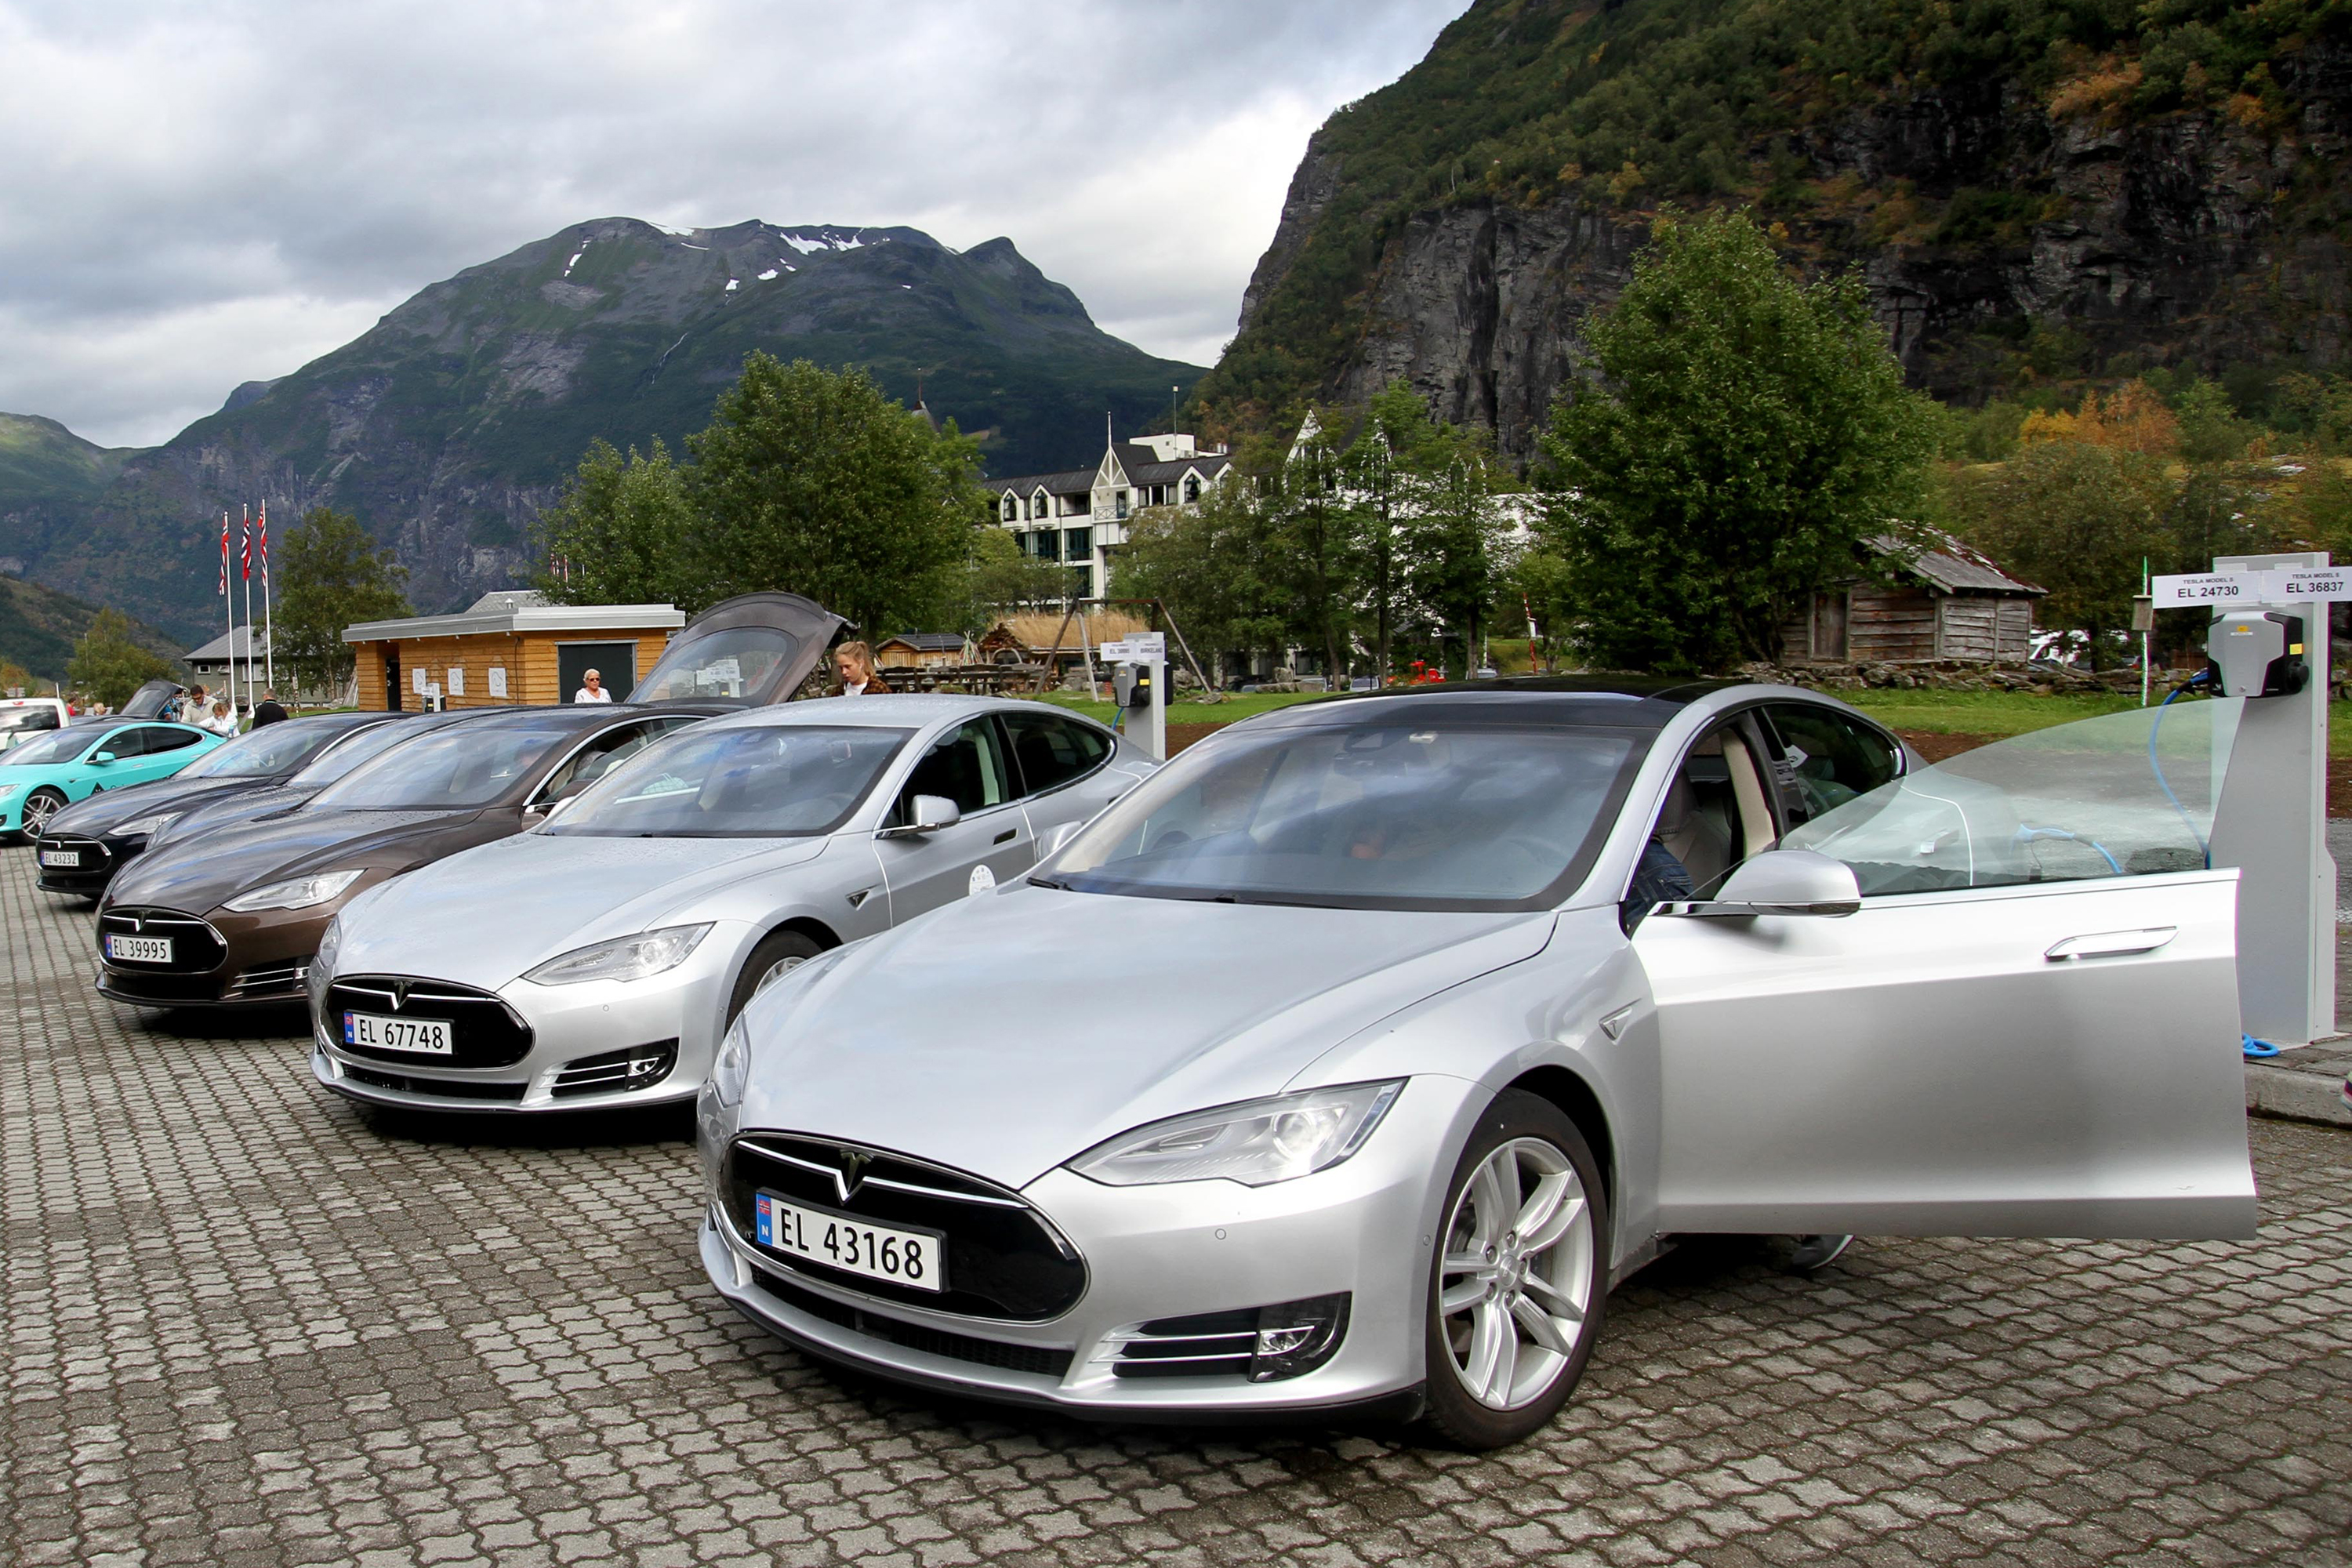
x=926, y=641
x=238, y=644
x=1069, y=481
x=1158, y=473
x=506, y=599
x=1955, y=567
x=1037, y=632
x=537, y=615
x=1140, y=463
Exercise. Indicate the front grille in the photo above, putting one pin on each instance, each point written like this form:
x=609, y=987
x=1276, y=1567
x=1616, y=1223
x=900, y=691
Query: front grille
x=446, y=1088
x=484, y=1032
x=196, y=947
x=94, y=856
x=270, y=982
x=1004, y=1259
x=639, y=1067
x=1210, y=1344
x=1037, y=1358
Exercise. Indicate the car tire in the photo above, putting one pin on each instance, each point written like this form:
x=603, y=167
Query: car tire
x=39, y=807
x=1504, y=1359
x=778, y=954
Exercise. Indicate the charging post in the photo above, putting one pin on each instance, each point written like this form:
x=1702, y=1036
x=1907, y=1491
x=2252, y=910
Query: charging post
x=2268, y=643
x=1139, y=687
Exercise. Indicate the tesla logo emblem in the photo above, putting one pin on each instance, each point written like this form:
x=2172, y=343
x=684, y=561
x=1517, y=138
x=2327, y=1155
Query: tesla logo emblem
x=853, y=1171
x=399, y=994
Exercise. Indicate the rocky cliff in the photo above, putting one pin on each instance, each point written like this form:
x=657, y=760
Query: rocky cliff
x=449, y=426
x=2027, y=205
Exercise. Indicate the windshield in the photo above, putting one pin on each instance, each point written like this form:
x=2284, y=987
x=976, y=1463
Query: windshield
x=455, y=769
x=2124, y=794
x=771, y=782
x=61, y=747
x=363, y=745
x=18, y=719
x=723, y=664
x=1450, y=815
x=261, y=753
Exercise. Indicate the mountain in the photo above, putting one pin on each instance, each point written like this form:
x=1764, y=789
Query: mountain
x=449, y=424
x=39, y=626
x=2035, y=192
x=49, y=478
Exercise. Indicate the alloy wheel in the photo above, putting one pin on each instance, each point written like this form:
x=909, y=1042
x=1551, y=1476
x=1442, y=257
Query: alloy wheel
x=778, y=970
x=1517, y=1281
x=38, y=809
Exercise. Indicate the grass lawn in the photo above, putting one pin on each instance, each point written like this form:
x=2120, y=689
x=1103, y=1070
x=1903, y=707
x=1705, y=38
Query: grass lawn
x=1232, y=708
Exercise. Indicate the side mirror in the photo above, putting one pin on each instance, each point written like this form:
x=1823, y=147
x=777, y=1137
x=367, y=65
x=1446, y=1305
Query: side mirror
x=931, y=812
x=1782, y=882
x=102, y=758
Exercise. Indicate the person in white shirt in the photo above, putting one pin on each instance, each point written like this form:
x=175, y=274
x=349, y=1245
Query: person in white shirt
x=592, y=689
x=853, y=664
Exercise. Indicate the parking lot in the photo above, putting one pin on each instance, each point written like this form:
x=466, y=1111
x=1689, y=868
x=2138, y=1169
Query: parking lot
x=246, y=1325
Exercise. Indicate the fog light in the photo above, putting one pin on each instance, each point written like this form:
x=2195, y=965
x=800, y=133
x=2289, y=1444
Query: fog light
x=1296, y=1337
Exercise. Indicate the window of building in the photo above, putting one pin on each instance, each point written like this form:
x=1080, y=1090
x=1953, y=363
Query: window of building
x=1012, y=509
x=1077, y=544
x=1192, y=488
x=1043, y=505
x=1121, y=501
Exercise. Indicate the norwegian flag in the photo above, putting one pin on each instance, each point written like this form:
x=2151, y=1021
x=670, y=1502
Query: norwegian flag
x=264, y=544
x=244, y=548
x=223, y=587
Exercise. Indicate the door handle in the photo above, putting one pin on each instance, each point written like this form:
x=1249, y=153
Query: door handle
x=1007, y=835
x=2111, y=944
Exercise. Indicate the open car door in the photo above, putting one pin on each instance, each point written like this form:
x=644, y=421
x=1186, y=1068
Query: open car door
x=2026, y=1024
x=754, y=648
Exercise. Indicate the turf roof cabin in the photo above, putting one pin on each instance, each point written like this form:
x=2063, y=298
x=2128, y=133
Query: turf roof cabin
x=507, y=650
x=1946, y=602
x=920, y=650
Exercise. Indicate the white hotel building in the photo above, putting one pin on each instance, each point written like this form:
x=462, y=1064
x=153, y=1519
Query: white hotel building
x=1079, y=517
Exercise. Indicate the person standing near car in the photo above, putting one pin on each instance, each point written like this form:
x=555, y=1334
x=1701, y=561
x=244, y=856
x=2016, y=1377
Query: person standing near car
x=592, y=689
x=267, y=711
x=855, y=672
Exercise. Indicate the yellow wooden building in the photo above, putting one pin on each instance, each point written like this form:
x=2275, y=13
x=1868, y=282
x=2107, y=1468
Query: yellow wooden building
x=509, y=649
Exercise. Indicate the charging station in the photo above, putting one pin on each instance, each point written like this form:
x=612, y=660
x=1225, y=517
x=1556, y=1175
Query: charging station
x=1139, y=686
x=2268, y=643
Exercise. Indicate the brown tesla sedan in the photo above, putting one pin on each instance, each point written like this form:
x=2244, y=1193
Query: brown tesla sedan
x=234, y=916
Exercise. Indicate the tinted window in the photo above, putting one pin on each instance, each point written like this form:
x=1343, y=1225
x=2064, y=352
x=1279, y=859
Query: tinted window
x=262, y=753
x=775, y=781
x=966, y=768
x=156, y=738
x=364, y=746
x=2126, y=795
x=1833, y=758
x=1386, y=816
x=724, y=664
x=1051, y=750
x=463, y=766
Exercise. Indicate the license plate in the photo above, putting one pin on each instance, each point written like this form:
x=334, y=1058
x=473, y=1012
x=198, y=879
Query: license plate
x=897, y=1256
x=139, y=949
x=68, y=858
x=427, y=1037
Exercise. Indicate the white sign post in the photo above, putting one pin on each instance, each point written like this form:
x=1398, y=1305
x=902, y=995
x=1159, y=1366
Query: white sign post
x=1149, y=650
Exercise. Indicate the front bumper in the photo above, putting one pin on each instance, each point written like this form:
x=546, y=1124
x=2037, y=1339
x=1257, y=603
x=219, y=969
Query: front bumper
x=1184, y=1251
x=98, y=860
x=582, y=1041
x=227, y=960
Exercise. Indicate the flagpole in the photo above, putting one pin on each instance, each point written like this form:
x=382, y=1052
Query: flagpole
x=228, y=606
x=268, y=622
x=247, y=568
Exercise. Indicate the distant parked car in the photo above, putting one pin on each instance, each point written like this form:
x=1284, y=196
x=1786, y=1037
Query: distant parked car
x=84, y=846
x=594, y=960
x=22, y=717
x=41, y=777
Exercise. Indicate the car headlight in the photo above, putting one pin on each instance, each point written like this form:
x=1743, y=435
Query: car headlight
x=732, y=1069
x=147, y=827
x=295, y=892
x=1256, y=1143
x=624, y=958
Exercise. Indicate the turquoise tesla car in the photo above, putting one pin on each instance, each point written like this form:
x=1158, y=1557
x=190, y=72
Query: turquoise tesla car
x=41, y=777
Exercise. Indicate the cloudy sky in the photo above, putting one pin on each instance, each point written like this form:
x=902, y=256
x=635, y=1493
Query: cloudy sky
x=198, y=193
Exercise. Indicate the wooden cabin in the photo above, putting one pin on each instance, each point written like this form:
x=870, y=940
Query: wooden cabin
x=920, y=650
x=1949, y=601
x=1033, y=638
x=511, y=649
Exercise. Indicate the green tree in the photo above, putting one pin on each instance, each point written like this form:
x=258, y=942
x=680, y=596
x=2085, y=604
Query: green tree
x=813, y=482
x=1209, y=566
x=332, y=573
x=996, y=579
x=15, y=679
x=1748, y=433
x=1453, y=537
x=1314, y=545
x=2078, y=519
x=110, y=665
x=1381, y=469
x=618, y=535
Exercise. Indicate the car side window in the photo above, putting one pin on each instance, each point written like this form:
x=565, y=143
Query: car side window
x=1829, y=759
x=1715, y=815
x=966, y=767
x=126, y=744
x=1050, y=749
x=157, y=738
x=603, y=754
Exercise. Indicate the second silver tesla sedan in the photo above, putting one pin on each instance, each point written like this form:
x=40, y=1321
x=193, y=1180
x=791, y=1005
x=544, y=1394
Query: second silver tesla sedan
x=595, y=960
x=1391, y=1059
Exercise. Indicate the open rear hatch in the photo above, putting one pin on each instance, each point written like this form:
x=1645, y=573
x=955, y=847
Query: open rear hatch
x=752, y=649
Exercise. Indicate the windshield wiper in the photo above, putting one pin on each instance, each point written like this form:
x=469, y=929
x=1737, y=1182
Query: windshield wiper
x=1049, y=882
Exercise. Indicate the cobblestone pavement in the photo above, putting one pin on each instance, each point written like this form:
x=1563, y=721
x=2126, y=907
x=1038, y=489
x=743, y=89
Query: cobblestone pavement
x=246, y=1326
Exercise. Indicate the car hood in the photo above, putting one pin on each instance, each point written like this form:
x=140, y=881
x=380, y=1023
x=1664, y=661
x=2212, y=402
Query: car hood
x=484, y=916
x=233, y=810
x=1009, y=1032
x=204, y=871
x=104, y=813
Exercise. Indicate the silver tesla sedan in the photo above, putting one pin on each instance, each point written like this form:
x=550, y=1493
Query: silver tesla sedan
x=595, y=960
x=1351, y=1060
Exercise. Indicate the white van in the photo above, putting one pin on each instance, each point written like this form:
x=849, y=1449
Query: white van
x=22, y=717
